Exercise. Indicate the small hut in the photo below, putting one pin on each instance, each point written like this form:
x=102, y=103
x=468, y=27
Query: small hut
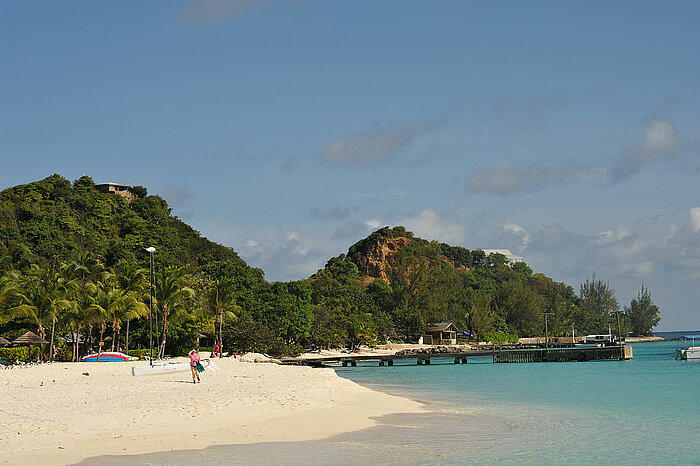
x=441, y=333
x=4, y=342
x=29, y=339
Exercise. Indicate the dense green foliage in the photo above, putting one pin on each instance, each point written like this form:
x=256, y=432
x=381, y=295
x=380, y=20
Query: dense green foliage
x=487, y=296
x=50, y=219
x=73, y=269
x=14, y=355
x=642, y=313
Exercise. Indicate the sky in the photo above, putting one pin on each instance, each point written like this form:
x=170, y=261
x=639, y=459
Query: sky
x=567, y=132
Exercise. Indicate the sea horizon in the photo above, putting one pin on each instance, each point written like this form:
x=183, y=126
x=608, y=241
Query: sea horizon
x=676, y=334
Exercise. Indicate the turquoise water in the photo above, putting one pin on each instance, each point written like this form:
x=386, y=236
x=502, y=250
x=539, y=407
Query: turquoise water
x=646, y=410
x=643, y=411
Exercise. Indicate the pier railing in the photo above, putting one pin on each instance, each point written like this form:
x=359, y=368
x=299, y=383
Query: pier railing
x=496, y=353
x=563, y=354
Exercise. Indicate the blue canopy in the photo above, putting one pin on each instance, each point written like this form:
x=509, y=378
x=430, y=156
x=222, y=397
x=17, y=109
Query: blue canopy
x=691, y=336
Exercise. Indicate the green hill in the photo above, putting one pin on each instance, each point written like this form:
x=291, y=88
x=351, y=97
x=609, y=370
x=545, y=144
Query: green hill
x=388, y=286
x=53, y=219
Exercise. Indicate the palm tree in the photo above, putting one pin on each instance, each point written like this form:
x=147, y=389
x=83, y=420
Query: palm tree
x=42, y=298
x=132, y=308
x=132, y=280
x=221, y=301
x=108, y=304
x=77, y=280
x=91, y=277
x=8, y=294
x=172, y=299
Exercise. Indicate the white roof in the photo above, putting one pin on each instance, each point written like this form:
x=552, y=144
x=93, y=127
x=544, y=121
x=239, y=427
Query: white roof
x=506, y=252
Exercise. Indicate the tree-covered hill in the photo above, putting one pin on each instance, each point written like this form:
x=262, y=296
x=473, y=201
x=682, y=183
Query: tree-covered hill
x=73, y=260
x=53, y=219
x=412, y=282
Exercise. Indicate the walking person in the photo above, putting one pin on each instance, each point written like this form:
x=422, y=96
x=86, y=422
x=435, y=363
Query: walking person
x=194, y=363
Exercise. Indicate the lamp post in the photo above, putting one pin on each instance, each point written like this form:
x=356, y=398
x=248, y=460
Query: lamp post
x=619, y=332
x=150, y=250
x=546, y=337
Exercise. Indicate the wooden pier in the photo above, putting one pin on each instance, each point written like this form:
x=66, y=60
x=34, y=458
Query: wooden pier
x=496, y=354
x=563, y=354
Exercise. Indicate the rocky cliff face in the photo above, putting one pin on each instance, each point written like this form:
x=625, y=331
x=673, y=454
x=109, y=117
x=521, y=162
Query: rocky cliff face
x=374, y=260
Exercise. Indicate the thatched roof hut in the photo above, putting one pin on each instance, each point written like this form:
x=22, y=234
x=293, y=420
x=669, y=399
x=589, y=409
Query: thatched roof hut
x=4, y=342
x=29, y=338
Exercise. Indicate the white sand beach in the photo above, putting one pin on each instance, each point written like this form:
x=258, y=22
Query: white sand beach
x=56, y=414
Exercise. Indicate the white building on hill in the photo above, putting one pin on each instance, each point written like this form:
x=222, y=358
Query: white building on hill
x=512, y=258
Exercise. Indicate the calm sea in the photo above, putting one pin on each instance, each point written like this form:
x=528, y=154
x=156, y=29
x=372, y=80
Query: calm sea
x=643, y=411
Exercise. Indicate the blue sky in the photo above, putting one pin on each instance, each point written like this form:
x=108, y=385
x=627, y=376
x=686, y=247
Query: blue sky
x=568, y=132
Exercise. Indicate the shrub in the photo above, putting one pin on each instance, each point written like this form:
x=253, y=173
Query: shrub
x=500, y=337
x=250, y=335
x=14, y=355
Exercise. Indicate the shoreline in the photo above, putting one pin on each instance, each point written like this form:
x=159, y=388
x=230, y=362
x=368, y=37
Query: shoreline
x=54, y=414
x=644, y=339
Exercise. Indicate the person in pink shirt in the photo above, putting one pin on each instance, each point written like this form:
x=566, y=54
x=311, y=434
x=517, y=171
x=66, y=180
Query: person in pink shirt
x=194, y=362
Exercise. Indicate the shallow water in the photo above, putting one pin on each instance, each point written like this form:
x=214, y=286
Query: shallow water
x=642, y=411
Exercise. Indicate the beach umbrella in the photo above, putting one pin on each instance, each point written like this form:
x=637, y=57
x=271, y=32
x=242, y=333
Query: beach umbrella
x=4, y=342
x=29, y=339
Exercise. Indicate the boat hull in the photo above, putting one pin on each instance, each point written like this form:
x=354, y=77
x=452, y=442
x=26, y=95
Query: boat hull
x=109, y=356
x=692, y=352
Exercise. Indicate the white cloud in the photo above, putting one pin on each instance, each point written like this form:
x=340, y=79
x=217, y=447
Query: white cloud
x=663, y=257
x=353, y=230
x=180, y=199
x=373, y=146
x=660, y=136
x=608, y=236
x=519, y=231
x=661, y=142
x=434, y=225
x=694, y=219
x=295, y=255
x=373, y=223
x=506, y=177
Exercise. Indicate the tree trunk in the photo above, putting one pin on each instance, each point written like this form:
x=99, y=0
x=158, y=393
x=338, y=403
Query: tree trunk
x=53, y=330
x=114, y=334
x=101, y=342
x=76, y=347
x=42, y=334
x=126, y=345
x=161, y=351
x=72, y=335
x=89, y=340
x=221, y=335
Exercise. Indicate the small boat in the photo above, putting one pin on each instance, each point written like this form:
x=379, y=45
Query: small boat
x=688, y=350
x=109, y=356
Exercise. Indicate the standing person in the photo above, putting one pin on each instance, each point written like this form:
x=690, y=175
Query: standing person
x=215, y=351
x=194, y=362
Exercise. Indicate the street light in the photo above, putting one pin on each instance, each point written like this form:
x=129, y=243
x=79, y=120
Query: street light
x=545, y=314
x=619, y=331
x=150, y=250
